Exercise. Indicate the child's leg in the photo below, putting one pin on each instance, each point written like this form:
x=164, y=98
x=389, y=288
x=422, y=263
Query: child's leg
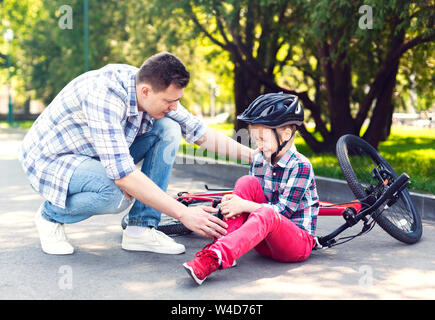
x=286, y=243
x=256, y=228
x=276, y=245
x=270, y=233
x=248, y=188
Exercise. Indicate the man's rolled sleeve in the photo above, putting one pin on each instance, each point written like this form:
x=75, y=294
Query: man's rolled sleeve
x=192, y=128
x=120, y=168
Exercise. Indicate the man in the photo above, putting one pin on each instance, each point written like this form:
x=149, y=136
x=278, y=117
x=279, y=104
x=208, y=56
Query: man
x=80, y=154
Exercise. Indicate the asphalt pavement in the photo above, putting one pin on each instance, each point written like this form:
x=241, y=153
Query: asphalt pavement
x=374, y=266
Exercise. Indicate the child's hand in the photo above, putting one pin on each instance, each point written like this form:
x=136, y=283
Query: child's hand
x=232, y=206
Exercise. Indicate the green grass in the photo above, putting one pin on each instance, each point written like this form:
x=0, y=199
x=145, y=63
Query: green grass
x=412, y=151
x=408, y=149
x=19, y=124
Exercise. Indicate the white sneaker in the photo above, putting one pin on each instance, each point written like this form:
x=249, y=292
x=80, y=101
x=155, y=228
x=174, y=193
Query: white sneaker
x=150, y=240
x=52, y=236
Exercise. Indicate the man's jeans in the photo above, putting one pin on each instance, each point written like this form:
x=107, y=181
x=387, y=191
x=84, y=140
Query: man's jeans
x=91, y=192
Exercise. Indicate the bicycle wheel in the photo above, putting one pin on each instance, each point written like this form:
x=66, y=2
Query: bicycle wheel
x=172, y=227
x=368, y=173
x=168, y=225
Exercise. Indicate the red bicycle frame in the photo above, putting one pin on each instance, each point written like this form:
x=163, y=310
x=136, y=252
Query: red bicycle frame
x=352, y=212
x=325, y=208
x=336, y=209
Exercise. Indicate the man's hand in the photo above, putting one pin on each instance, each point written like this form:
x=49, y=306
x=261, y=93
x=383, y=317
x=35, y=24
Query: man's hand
x=254, y=153
x=199, y=221
x=143, y=189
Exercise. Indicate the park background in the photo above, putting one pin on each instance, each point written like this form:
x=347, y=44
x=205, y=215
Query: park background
x=359, y=67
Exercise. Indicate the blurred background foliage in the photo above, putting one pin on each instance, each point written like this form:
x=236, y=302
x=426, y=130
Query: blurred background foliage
x=350, y=79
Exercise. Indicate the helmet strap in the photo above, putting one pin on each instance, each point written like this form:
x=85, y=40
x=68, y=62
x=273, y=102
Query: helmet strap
x=280, y=145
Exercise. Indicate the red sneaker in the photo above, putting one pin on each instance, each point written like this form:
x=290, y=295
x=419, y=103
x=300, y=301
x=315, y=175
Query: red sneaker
x=205, y=263
x=207, y=246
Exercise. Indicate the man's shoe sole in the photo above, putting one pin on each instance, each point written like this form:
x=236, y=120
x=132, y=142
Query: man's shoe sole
x=155, y=249
x=57, y=253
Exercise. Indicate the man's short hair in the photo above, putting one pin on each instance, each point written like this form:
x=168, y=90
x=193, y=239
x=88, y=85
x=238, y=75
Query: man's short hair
x=161, y=70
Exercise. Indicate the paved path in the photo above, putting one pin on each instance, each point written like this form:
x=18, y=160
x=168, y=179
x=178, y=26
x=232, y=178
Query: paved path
x=374, y=266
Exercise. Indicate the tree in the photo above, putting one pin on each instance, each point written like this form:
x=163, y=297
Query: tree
x=55, y=55
x=343, y=74
x=52, y=52
x=350, y=79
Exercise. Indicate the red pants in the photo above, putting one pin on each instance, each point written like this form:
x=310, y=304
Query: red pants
x=271, y=234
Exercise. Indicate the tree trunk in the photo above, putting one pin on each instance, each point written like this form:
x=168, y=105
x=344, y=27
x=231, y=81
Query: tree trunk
x=246, y=89
x=27, y=106
x=338, y=87
x=380, y=122
x=339, y=106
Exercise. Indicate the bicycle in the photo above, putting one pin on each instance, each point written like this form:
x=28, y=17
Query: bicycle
x=381, y=197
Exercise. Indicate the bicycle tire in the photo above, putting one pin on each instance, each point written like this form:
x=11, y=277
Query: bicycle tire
x=168, y=225
x=172, y=227
x=402, y=220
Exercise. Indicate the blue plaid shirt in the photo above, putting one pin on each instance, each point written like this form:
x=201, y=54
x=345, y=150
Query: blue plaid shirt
x=289, y=187
x=95, y=115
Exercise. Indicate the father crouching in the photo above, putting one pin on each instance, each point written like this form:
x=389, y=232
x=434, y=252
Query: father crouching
x=81, y=154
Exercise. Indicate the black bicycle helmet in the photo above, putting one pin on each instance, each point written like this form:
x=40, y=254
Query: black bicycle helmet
x=274, y=110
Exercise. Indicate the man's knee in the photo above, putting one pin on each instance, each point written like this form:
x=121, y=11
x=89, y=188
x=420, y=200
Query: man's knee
x=169, y=132
x=115, y=200
x=169, y=128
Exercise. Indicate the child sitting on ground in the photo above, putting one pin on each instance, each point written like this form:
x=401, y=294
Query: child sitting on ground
x=274, y=208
